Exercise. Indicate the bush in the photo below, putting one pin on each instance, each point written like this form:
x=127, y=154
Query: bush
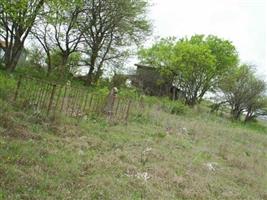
x=178, y=109
x=101, y=91
x=129, y=93
x=118, y=80
x=31, y=71
x=175, y=107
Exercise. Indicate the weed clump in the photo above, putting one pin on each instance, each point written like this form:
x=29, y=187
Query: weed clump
x=13, y=128
x=174, y=107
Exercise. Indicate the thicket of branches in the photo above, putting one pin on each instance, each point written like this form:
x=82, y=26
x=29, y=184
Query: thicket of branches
x=100, y=32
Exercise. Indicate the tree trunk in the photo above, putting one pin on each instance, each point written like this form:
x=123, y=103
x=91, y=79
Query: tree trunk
x=12, y=57
x=191, y=101
x=90, y=77
x=62, y=67
x=236, y=113
x=249, y=115
x=49, y=65
x=98, y=74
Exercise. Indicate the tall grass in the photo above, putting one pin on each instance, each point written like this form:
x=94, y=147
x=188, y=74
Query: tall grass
x=7, y=85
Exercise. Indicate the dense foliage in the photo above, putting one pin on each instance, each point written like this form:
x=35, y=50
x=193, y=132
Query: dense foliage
x=101, y=31
x=244, y=93
x=195, y=65
x=16, y=20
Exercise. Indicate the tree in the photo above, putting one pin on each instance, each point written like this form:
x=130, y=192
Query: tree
x=56, y=61
x=244, y=92
x=16, y=21
x=112, y=27
x=35, y=57
x=256, y=107
x=194, y=65
x=43, y=33
x=59, y=29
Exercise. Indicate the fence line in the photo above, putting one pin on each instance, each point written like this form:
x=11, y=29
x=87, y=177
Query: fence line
x=52, y=98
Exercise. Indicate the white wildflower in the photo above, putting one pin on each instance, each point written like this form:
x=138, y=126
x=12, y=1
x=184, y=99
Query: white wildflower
x=211, y=166
x=148, y=149
x=143, y=176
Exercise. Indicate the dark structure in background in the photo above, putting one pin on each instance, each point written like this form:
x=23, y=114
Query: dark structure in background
x=174, y=92
x=150, y=81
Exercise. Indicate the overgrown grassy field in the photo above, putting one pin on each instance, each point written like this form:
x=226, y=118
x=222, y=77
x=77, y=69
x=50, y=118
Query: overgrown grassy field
x=195, y=155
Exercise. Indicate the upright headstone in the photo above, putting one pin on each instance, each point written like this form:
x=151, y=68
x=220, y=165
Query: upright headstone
x=110, y=100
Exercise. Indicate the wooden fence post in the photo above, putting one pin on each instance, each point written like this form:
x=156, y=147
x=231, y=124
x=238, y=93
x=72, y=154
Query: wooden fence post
x=90, y=103
x=85, y=102
x=18, y=87
x=128, y=111
x=51, y=98
x=117, y=107
x=63, y=98
x=58, y=99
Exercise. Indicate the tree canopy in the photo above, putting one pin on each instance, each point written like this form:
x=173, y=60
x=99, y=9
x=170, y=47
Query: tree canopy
x=103, y=31
x=16, y=21
x=114, y=25
x=244, y=92
x=195, y=65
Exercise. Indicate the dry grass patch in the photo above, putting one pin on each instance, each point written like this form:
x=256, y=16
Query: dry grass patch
x=163, y=157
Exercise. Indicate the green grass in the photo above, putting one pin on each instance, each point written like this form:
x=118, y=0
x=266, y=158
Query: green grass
x=156, y=156
x=256, y=126
x=190, y=154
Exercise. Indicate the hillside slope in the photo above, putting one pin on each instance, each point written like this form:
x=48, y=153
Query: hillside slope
x=165, y=156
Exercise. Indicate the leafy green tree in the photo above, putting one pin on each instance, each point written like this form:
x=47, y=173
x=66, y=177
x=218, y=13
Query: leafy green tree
x=35, y=57
x=103, y=30
x=71, y=65
x=42, y=31
x=16, y=21
x=59, y=29
x=112, y=26
x=244, y=92
x=256, y=107
x=195, y=65
x=65, y=18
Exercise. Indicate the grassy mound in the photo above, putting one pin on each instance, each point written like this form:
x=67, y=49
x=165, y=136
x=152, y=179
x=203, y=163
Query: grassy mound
x=160, y=156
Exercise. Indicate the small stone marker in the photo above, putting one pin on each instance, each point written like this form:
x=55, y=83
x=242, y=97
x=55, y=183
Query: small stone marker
x=110, y=101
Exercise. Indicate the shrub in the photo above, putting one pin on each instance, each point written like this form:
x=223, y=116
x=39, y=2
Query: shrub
x=118, y=80
x=178, y=109
x=129, y=93
x=174, y=107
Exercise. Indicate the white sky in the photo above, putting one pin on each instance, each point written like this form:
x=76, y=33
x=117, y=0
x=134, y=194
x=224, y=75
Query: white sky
x=241, y=21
